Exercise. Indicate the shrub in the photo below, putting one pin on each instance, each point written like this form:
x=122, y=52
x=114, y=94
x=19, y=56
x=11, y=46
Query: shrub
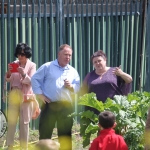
x=130, y=112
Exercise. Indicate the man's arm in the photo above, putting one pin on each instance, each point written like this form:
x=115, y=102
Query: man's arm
x=37, y=81
x=76, y=82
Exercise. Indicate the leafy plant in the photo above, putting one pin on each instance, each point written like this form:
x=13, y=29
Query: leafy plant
x=130, y=112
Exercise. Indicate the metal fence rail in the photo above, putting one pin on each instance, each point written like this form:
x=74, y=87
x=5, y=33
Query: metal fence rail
x=115, y=26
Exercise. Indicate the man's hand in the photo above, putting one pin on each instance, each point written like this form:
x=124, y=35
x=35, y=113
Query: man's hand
x=68, y=85
x=43, y=98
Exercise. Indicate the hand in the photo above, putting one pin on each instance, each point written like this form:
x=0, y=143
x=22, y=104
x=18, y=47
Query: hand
x=68, y=85
x=43, y=98
x=9, y=70
x=117, y=71
x=21, y=71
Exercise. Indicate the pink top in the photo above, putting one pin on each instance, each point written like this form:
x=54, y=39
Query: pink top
x=23, y=83
x=16, y=80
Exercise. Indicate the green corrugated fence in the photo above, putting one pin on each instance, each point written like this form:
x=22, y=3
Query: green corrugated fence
x=119, y=27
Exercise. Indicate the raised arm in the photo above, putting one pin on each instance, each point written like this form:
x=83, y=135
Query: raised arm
x=126, y=77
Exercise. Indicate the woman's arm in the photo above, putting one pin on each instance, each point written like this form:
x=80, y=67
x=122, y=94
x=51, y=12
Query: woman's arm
x=26, y=79
x=126, y=77
x=8, y=74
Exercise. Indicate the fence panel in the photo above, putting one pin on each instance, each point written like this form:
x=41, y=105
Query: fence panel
x=117, y=27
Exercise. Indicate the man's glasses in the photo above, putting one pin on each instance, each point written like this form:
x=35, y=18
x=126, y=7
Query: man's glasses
x=21, y=54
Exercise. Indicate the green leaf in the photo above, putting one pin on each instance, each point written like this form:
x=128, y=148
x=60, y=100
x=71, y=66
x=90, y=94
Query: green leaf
x=84, y=122
x=147, y=94
x=130, y=111
x=92, y=128
x=131, y=97
x=122, y=113
x=86, y=140
x=91, y=101
x=121, y=100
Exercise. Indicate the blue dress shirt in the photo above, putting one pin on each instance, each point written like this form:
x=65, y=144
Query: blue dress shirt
x=49, y=80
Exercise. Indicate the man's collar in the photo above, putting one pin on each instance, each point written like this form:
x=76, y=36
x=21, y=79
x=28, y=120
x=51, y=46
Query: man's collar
x=57, y=64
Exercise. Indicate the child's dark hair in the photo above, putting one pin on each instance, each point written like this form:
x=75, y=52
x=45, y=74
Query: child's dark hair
x=23, y=46
x=107, y=119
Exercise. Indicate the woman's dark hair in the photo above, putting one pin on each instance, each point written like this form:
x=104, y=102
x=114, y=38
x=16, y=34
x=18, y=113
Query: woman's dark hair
x=23, y=47
x=107, y=119
x=98, y=53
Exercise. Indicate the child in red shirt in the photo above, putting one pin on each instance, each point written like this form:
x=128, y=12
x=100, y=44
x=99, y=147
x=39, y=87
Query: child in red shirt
x=108, y=139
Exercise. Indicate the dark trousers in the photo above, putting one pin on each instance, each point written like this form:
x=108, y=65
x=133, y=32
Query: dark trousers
x=57, y=112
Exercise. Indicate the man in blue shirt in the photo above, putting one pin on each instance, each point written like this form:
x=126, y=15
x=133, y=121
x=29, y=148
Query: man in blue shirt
x=55, y=83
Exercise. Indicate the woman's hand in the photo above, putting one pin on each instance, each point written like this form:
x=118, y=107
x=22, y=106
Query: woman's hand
x=21, y=71
x=117, y=71
x=126, y=77
x=9, y=68
x=9, y=71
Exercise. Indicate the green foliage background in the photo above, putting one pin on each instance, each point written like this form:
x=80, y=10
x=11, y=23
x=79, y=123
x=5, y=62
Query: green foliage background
x=130, y=111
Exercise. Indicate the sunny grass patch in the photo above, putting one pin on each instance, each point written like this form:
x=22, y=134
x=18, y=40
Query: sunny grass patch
x=77, y=140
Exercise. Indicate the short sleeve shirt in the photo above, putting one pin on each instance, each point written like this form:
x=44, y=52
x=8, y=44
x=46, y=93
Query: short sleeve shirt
x=106, y=86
